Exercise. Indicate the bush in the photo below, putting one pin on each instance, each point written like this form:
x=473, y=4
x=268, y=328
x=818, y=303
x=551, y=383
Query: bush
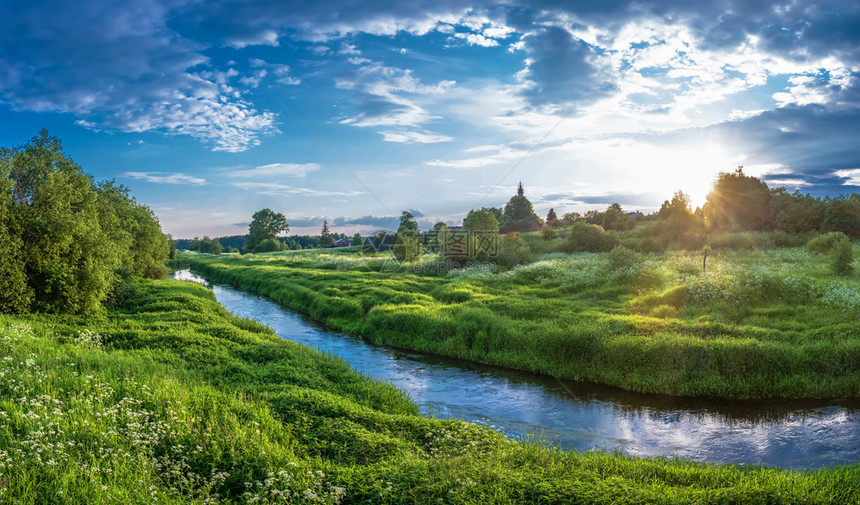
x=736, y=241
x=841, y=258
x=622, y=257
x=824, y=244
x=267, y=245
x=514, y=251
x=590, y=238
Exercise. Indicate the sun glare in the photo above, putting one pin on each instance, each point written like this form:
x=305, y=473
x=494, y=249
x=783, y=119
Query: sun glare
x=694, y=169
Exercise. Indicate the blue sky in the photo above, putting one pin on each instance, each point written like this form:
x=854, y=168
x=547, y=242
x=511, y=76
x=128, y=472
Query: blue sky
x=354, y=111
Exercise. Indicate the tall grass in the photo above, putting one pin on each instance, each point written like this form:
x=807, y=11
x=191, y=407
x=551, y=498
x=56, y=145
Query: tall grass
x=754, y=324
x=173, y=400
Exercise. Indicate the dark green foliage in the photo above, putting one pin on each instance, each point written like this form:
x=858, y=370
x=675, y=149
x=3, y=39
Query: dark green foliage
x=795, y=213
x=843, y=214
x=265, y=224
x=356, y=239
x=67, y=236
x=589, y=238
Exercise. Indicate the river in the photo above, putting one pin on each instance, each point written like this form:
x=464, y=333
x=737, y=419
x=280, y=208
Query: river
x=581, y=416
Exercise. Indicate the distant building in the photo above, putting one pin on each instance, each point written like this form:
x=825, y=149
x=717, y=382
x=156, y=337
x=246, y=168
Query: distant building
x=343, y=242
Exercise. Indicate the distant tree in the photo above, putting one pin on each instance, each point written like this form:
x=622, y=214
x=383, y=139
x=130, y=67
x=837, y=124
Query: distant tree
x=794, y=212
x=843, y=214
x=265, y=224
x=497, y=212
x=570, y=217
x=551, y=218
x=326, y=240
x=738, y=201
x=406, y=246
x=519, y=213
x=216, y=247
x=615, y=219
x=356, y=239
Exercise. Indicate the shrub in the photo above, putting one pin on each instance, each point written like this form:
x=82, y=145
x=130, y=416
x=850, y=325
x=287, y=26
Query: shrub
x=841, y=258
x=737, y=240
x=824, y=244
x=267, y=245
x=590, y=238
x=622, y=257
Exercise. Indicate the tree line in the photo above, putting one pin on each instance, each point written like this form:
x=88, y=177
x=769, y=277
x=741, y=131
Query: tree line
x=69, y=242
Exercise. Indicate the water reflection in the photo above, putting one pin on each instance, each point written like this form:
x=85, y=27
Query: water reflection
x=796, y=434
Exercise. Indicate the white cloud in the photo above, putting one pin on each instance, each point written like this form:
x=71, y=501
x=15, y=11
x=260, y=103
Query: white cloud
x=277, y=170
x=161, y=178
x=348, y=49
x=851, y=176
x=253, y=80
x=476, y=39
x=276, y=189
x=414, y=137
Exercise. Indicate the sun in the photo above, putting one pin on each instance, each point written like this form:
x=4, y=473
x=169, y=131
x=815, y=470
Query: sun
x=693, y=169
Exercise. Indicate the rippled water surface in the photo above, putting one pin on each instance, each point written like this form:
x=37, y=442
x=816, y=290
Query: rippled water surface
x=793, y=434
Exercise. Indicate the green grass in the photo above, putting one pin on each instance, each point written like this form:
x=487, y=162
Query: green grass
x=774, y=324
x=174, y=400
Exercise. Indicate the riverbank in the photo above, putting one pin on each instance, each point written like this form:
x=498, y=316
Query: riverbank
x=756, y=325
x=168, y=398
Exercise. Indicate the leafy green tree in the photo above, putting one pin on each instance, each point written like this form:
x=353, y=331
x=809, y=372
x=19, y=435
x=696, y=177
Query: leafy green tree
x=265, y=224
x=356, y=239
x=326, y=240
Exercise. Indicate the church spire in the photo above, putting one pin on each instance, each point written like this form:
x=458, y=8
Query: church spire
x=520, y=190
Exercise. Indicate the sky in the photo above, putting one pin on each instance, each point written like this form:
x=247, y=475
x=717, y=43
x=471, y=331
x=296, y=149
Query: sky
x=354, y=111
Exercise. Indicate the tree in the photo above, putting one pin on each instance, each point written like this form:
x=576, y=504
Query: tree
x=406, y=247
x=356, y=239
x=519, y=213
x=843, y=214
x=482, y=230
x=794, y=212
x=326, y=240
x=552, y=219
x=67, y=237
x=265, y=224
x=615, y=219
x=739, y=201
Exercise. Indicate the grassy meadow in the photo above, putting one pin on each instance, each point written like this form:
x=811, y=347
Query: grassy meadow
x=167, y=398
x=756, y=324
